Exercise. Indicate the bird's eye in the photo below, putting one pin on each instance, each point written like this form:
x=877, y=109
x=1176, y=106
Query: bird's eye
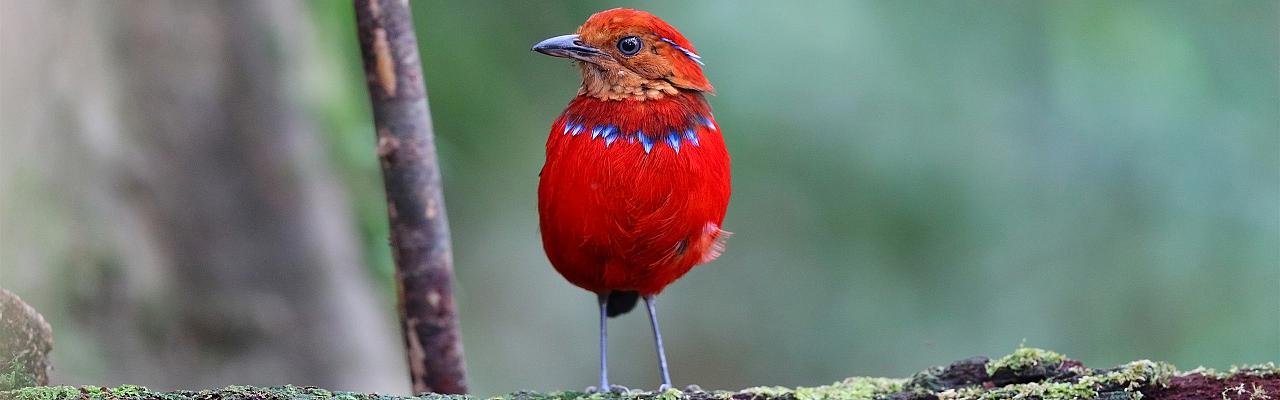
x=629, y=45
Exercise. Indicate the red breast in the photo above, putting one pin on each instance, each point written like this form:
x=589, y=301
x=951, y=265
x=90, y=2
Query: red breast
x=634, y=192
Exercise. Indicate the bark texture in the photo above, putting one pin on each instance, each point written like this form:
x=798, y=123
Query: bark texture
x=25, y=342
x=415, y=196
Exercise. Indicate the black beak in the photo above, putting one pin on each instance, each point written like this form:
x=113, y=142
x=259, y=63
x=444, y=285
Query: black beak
x=567, y=46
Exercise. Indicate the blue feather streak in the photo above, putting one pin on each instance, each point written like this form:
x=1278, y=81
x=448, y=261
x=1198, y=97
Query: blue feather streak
x=645, y=140
x=610, y=134
x=673, y=140
x=692, y=136
x=692, y=56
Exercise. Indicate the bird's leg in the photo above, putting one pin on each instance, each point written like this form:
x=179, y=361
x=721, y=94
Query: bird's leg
x=604, y=341
x=657, y=338
x=605, y=387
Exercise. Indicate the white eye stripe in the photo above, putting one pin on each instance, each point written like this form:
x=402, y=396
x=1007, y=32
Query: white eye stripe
x=692, y=56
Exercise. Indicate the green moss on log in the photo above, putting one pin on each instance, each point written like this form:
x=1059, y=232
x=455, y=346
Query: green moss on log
x=25, y=342
x=1026, y=374
x=1025, y=358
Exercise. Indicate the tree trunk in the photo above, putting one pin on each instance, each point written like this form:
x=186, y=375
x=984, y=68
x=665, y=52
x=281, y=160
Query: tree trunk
x=162, y=149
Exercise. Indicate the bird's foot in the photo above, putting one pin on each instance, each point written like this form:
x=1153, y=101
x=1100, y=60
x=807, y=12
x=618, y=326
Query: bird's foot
x=618, y=389
x=664, y=387
x=693, y=388
x=612, y=389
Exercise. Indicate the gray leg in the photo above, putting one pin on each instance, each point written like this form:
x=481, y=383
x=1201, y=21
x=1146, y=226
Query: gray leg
x=657, y=338
x=604, y=342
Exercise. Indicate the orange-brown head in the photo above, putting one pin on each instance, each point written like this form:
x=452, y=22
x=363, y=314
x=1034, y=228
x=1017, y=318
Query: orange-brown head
x=625, y=53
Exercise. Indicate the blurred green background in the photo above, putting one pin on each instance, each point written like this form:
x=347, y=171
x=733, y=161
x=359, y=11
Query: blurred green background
x=915, y=182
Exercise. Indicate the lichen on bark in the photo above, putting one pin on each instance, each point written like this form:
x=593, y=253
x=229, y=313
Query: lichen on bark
x=25, y=342
x=1027, y=373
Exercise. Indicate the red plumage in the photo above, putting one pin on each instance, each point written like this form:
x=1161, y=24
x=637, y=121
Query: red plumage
x=617, y=217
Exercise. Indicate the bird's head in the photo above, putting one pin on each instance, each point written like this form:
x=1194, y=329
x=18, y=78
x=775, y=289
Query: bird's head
x=625, y=53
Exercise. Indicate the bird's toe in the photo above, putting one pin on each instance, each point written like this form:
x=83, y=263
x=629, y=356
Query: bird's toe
x=619, y=389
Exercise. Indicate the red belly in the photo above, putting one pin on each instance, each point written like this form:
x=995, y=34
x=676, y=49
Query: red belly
x=614, y=216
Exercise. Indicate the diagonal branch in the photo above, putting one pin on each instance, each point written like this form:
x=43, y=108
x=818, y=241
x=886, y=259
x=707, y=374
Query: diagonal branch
x=415, y=199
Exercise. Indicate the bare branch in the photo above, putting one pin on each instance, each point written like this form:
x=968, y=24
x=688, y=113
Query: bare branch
x=415, y=199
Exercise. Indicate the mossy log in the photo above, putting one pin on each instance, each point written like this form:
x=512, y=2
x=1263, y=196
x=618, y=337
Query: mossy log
x=1028, y=373
x=25, y=342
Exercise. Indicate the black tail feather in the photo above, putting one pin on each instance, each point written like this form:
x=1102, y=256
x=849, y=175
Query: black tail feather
x=620, y=302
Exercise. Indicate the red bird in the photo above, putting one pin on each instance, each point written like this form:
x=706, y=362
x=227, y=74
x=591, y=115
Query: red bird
x=636, y=182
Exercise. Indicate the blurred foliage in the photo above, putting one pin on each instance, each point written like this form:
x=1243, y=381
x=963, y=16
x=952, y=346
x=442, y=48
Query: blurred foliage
x=915, y=182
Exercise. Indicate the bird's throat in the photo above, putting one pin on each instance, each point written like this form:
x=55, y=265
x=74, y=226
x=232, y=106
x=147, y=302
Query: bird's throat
x=621, y=84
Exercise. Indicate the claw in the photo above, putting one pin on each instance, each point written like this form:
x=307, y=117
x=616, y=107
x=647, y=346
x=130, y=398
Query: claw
x=618, y=389
x=664, y=387
x=693, y=388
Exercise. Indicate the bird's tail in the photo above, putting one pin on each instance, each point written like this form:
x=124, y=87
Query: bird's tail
x=620, y=302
